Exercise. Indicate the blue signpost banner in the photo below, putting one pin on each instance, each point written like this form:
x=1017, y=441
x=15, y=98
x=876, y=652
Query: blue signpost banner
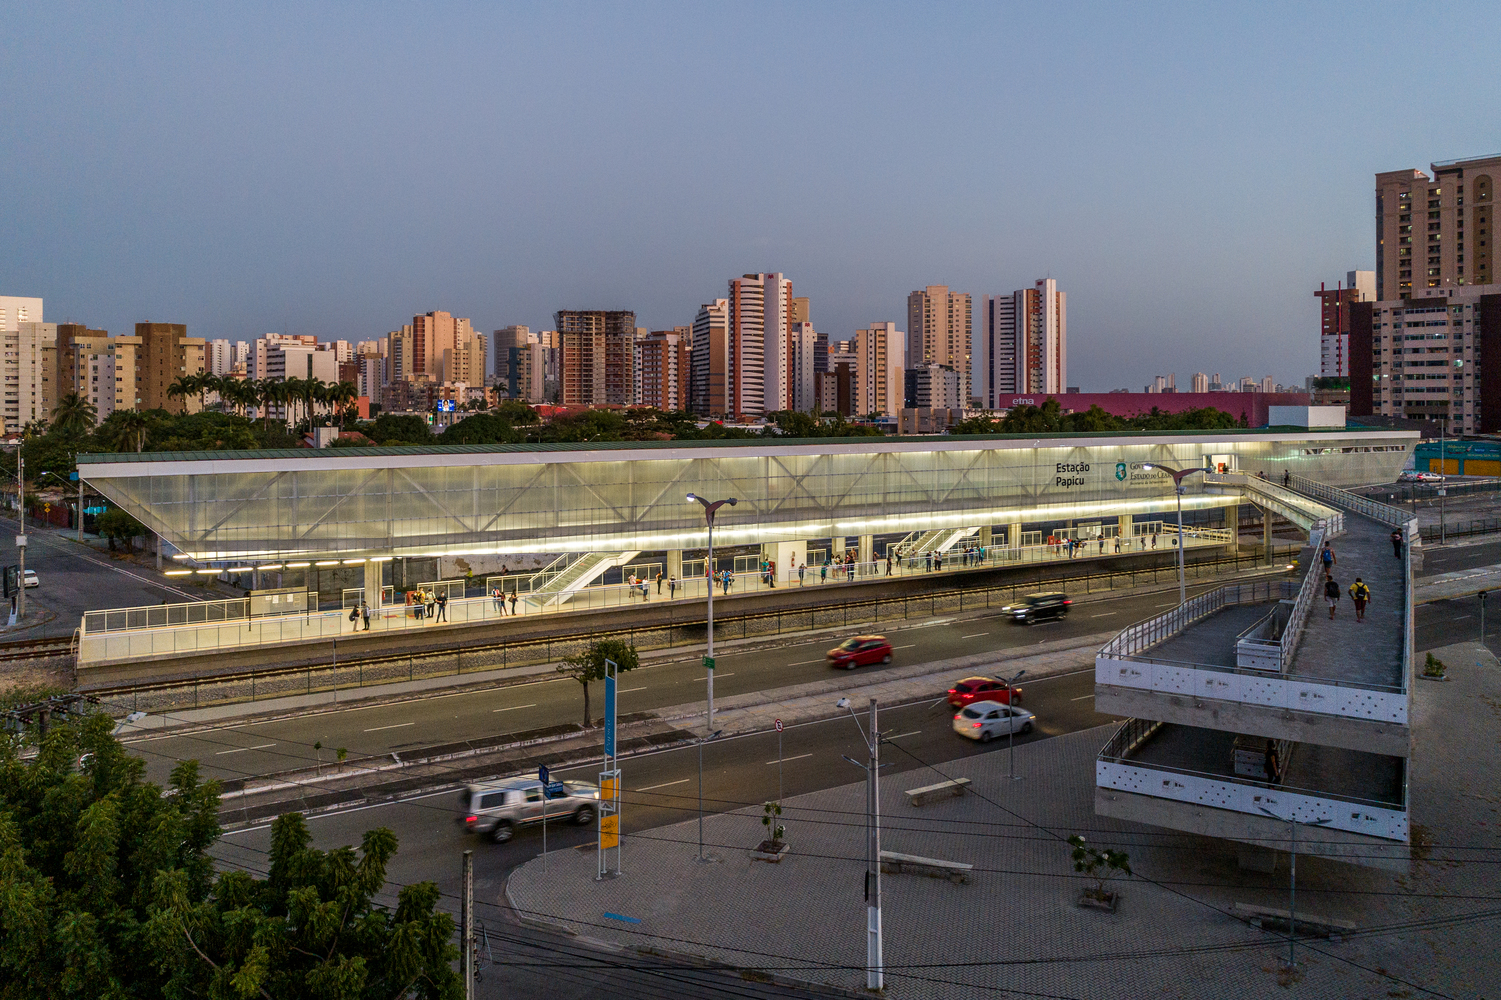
x=555, y=790
x=542, y=773
x=609, y=717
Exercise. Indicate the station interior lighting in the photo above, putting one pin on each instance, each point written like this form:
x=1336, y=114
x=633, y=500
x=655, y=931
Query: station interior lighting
x=179, y=572
x=272, y=566
x=350, y=562
x=298, y=565
x=330, y=562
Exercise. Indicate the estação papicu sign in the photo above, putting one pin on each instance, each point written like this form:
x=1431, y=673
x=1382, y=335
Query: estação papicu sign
x=1070, y=474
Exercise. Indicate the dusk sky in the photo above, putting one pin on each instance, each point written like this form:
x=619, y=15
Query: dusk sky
x=1188, y=174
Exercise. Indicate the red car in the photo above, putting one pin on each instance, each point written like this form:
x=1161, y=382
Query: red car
x=973, y=689
x=860, y=651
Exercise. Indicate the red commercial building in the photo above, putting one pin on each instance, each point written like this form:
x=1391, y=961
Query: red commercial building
x=1249, y=406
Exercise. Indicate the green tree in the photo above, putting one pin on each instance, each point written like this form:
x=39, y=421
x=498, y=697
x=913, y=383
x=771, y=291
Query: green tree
x=310, y=929
x=74, y=416
x=125, y=430
x=83, y=841
x=115, y=524
x=589, y=664
x=390, y=428
x=517, y=413
x=481, y=428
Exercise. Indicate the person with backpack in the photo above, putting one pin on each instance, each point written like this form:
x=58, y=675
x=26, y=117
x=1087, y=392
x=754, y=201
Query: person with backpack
x=1331, y=593
x=354, y=618
x=823, y=573
x=1360, y=594
x=1327, y=555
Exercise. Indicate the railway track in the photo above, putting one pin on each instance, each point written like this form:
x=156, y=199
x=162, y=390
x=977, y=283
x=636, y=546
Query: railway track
x=36, y=649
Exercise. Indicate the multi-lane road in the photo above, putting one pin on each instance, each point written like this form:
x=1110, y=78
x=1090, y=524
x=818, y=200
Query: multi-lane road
x=255, y=748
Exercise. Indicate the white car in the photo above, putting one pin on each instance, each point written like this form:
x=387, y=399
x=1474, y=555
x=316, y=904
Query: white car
x=31, y=580
x=985, y=720
x=1419, y=477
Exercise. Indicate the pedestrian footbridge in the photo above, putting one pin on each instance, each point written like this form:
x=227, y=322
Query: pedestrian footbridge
x=1250, y=678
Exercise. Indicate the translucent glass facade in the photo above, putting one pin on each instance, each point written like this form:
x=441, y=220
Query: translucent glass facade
x=409, y=501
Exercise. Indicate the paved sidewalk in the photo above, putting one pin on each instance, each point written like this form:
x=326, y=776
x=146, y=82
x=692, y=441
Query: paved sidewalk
x=1460, y=583
x=1368, y=652
x=1015, y=926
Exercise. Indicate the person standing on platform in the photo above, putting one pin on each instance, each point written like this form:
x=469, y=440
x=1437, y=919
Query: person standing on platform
x=513, y=603
x=365, y=614
x=442, y=601
x=1397, y=542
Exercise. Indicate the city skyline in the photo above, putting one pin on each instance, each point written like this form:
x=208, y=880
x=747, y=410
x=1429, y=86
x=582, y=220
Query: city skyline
x=169, y=195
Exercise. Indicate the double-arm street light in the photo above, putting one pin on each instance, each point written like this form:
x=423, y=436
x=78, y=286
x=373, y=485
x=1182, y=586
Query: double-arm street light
x=1292, y=882
x=710, y=506
x=1178, y=488
x=874, y=965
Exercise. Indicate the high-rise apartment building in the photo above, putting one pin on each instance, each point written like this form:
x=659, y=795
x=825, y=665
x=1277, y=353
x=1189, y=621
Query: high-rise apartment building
x=370, y=374
x=664, y=363
x=218, y=357
x=879, y=386
x=760, y=323
x=932, y=386
x=167, y=354
x=598, y=349
x=1026, y=338
x=713, y=363
x=1334, y=320
x=434, y=333
x=1201, y=382
x=1426, y=358
x=940, y=331
x=1438, y=232
x=802, y=365
x=401, y=350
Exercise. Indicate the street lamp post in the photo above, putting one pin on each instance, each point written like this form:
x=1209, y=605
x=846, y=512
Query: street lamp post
x=1292, y=882
x=701, y=741
x=709, y=508
x=1178, y=488
x=874, y=964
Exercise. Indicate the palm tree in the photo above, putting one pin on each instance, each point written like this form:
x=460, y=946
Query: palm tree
x=127, y=429
x=74, y=415
x=183, y=387
x=342, y=396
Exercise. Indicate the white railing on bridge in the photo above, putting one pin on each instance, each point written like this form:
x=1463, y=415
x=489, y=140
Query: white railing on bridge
x=1117, y=770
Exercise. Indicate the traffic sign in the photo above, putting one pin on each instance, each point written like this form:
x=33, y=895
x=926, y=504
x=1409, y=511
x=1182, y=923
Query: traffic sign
x=779, y=725
x=555, y=790
x=708, y=663
x=542, y=773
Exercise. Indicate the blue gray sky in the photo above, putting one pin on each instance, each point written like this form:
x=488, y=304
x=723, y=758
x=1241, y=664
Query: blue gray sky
x=1189, y=173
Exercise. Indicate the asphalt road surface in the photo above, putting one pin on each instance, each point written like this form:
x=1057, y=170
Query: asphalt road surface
x=76, y=578
x=661, y=788
x=1448, y=558
x=237, y=750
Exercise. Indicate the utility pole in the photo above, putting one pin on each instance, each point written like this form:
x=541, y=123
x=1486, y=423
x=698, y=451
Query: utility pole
x=710, y=506
x=21, y=538
x=466, y=922
x=874, y=964
x=1443, y=471
x=1292, y=883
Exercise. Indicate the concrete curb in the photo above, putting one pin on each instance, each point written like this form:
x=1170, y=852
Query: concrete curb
x=1460, y=583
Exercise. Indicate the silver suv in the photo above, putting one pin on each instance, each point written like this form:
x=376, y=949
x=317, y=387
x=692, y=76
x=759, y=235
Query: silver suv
x=499, y=808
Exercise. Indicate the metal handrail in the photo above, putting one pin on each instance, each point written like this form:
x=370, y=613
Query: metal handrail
x=1373, y=509
x=1150, y=631
x=1219, y=668
x=1292, y=498
x=1293, y=633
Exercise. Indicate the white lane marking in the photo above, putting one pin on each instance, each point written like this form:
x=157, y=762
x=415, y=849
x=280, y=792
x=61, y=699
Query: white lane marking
x=1171, y=605
x=804, y=663
x=508, y=708
x=399, y=725
x=717, y=674
x=975, y=636
x=665, y=784
x=1106, y=614
x=1458, y=617
x=798, y=757
x=629, y=690
x=1081, y=697
x=259, y=746
x=911, y=645
x=900, y=735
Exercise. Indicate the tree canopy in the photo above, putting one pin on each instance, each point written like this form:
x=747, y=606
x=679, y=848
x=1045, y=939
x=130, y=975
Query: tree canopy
x=1049, y=418
x=589, y=664
x=107, y=889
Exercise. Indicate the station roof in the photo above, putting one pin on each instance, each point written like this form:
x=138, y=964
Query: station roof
x=945, y=442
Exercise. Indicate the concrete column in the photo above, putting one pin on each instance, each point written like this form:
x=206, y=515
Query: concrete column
x=1014, y=535
x=867, y=548
x=1232, y=521
x=984, y=536
x=1266, y=534
x=675, y=563
x=373, y=584
x=836, y=548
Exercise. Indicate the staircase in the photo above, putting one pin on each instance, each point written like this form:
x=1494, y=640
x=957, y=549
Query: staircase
x=570, y=574
x=940, y=540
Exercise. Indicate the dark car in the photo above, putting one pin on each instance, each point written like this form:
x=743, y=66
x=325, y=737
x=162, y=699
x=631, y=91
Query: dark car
x=859, y=651
x=1037, y=608
x=983, y=689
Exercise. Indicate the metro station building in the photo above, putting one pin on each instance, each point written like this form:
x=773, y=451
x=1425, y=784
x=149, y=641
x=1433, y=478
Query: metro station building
x=611, y=502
